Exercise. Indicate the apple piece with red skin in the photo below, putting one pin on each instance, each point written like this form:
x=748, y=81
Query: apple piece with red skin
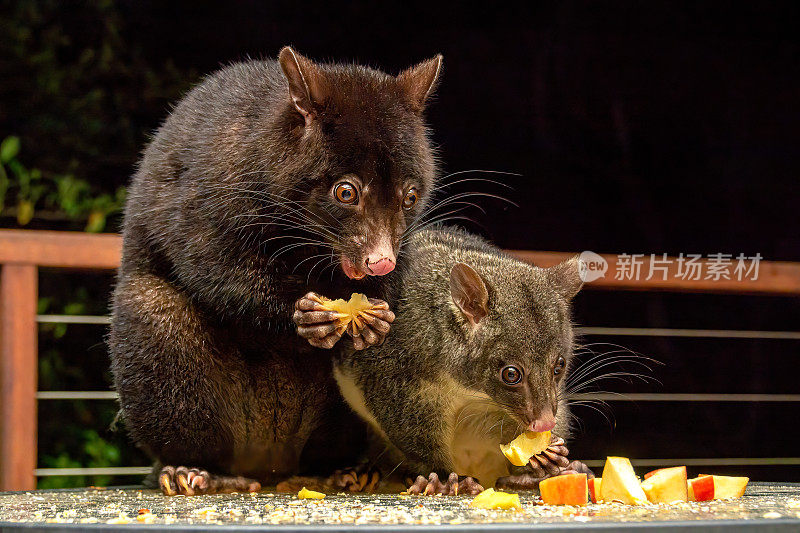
x=652, y=472
x=566, y=489
x=594, y=488
x=667, y=485
x=701, y=489
x=728, y=486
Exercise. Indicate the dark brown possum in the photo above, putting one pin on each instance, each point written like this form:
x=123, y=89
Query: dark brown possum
x=478, y=353
x=268, y=180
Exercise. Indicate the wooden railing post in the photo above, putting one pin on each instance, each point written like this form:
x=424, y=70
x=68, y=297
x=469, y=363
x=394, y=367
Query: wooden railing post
x=18, y=369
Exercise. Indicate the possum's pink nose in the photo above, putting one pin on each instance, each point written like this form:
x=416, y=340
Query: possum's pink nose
x=546, y=422
x=381, y=267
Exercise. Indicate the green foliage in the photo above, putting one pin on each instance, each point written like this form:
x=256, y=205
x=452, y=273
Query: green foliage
x=98, y=453
x=9, y=149
x=80, y=93
x=85, y=93
x=24, y=190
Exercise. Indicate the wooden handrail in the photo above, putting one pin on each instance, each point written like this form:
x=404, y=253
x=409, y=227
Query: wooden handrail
x=64, y=249
x=778, y=278
x=67, y=249
x=22, y=252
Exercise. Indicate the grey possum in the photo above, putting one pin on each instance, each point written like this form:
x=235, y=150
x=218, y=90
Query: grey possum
x=479, y=351
x=260, y=174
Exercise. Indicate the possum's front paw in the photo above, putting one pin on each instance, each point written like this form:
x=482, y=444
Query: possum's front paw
x=315, y=323
x=195, y=481
x=530, y=481
x=551, y=461
x=376, y=325
x=358, y=479
x=452, y=487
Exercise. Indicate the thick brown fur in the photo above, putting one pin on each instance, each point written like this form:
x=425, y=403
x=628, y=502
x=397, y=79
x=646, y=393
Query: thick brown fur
x=229, y=213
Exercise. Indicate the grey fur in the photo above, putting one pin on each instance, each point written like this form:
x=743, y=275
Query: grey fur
x=432, y=342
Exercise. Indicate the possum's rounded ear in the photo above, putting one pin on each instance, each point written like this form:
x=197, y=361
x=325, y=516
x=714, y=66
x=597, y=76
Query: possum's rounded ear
x=469, y=293
x=419, y=81
x=567, y=277
x=306, y=88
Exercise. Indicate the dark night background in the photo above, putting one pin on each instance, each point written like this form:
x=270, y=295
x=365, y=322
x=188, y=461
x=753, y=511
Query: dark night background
x=636, y=127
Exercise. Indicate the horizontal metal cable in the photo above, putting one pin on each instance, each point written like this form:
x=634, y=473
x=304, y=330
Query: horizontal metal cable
x=684, y=397
x=102, y=471
x=605, y=396
x=73, y=319
x=588, y=330
x=708, y=333
x=594, y=463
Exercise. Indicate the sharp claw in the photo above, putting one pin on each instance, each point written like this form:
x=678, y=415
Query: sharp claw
x=184, y=485
x=164, y=482
x=373, y=481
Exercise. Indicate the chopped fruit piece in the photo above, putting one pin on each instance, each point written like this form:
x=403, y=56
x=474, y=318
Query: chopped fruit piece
x=647, y=475
x=701, y=489
x=520, y=450
x=620, y=483
x=147, y=518
x=491, y=499
x=666, y=485
x=729, y=487
x=594, y=488
x=306, y=494
x=569, y=489
x=351, y=312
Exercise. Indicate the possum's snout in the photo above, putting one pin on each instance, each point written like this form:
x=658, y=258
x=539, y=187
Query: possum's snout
x=377, y=261
x=543, y=424
x=545, y=421
x=379, y=267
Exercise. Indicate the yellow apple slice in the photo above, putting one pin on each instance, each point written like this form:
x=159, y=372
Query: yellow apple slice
x=620, y=483
x=667, y=485
x=520, y=450
x=729, y=487
x=350, y=312
x=491, y=499
x=306, y=494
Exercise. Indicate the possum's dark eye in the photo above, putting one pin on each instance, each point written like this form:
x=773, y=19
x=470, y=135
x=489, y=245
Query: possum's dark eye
x=560, y=364
x=511, y=375
x=411, y=198
x=346, y=193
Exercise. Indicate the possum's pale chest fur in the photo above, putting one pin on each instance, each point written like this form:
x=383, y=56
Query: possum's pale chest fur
x=474, y=425
x=354, y=397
